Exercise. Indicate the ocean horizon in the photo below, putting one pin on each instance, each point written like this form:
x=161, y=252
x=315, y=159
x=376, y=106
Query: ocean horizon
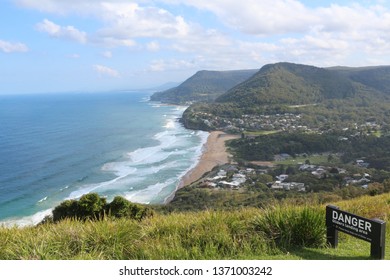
x=55, y=147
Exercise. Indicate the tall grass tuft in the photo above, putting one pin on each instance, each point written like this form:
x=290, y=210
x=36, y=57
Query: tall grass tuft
x=289, y=226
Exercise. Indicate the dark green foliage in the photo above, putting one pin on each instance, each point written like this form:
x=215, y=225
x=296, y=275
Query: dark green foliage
x=264, y=147
x=203, y=86
x=122, y=208
x=292, y=226
x=375, y=150
x=93, y=207
x=374, y=77
x=67, y=209
x=89, y=207
x=286, y=83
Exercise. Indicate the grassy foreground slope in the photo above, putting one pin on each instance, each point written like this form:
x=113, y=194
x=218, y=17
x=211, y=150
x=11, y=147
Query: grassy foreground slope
x=281, y=232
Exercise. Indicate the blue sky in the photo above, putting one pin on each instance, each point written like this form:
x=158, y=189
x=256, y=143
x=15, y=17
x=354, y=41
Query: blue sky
x=93, y=45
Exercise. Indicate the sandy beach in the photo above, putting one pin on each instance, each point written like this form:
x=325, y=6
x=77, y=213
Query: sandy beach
x=214, y=153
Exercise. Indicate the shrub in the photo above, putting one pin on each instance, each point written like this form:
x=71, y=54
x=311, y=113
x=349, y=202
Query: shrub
x=293, y=226
x=375, y=189
x=93, y=207
x=67, y=209
x=122, y=208
x=118, y=207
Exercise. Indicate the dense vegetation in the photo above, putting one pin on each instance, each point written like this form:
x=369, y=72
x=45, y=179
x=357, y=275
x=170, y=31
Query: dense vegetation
x=333, y=97
x=283, y=231
x=203, y=86
x=264, y=147
x=374, y=77
x=373, y=149
x=92, y=207
x=286, y=83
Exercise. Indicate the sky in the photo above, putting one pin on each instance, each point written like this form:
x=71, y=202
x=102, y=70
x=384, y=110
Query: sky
x=50, y=46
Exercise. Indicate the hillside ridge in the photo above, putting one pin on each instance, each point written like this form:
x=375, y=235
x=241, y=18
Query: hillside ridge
x=204, y=85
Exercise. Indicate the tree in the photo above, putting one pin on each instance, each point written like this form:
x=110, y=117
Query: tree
x=375, y=188
x=67, y=209
x=93, y=207
x=121, y=207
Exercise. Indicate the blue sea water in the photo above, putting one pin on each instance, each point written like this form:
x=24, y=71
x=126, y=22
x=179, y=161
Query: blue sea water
x=61, y=146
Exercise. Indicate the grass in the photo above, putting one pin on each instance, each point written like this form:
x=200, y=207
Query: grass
x=281, y=232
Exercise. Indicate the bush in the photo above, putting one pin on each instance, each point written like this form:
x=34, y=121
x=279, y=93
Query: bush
x=93, y=207
x=293, y=226
x=67, y=209
x=122, y=208
x=375, y=189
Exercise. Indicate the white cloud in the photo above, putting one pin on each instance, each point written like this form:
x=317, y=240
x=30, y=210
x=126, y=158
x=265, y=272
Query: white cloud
x=9, y=47
x=123, y=19
x=255, y=32
x=170, y=65
x=57, y=31
x=106, y=71
x=107, y=54
x=153, y=46
x=270, y=17
x=129, y=20
x=112, y=42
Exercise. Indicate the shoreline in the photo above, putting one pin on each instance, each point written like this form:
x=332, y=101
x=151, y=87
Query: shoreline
x=213, y=154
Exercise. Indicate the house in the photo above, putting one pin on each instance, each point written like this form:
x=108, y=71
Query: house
x=288, y=186
x=277, y=186
x=282, y=177
x=307, y=167
x=238, y=179
x=319, y=172
x=362, y=163
x=358, y=179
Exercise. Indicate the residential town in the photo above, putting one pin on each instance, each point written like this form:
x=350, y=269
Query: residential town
x=281, y=122
x=233, y=176
x=274, y=122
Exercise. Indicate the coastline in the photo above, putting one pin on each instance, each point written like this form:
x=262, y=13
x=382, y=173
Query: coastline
x=213, y=154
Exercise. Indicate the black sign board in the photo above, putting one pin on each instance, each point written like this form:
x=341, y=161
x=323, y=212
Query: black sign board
x=373, y=231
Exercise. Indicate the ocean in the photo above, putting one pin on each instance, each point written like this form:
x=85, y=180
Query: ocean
x=55, y=147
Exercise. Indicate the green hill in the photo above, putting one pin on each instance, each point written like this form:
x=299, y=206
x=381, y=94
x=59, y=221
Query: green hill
x=376, y=77
x=203, y=86
x=287, y=83
x=322, y=97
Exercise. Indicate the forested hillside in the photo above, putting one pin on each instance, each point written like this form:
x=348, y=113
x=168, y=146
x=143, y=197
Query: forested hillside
x=286, y=83
x=376, y=77
x=319, y=97
x=203, y=86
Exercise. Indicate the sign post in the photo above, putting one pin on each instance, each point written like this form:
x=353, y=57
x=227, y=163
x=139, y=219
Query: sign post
x=373, y=231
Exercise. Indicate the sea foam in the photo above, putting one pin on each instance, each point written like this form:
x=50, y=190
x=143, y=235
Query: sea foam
x=28, y=220
x=160, y=151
